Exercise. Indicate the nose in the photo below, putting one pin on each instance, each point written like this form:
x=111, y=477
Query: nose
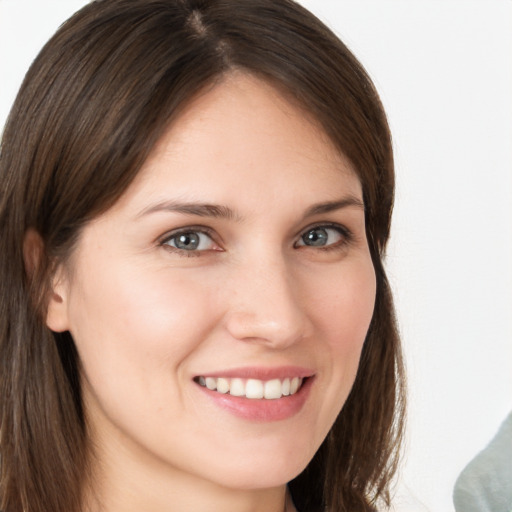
x=266, y=304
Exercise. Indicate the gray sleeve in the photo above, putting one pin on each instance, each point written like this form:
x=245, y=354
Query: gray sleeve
x=485, y=484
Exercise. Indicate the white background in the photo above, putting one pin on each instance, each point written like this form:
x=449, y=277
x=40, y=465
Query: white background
x=444, y=70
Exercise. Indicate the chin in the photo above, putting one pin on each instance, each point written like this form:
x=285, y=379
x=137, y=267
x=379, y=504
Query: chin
x=261, y=473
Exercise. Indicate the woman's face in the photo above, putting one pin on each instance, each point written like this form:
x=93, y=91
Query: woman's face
x=236, y=260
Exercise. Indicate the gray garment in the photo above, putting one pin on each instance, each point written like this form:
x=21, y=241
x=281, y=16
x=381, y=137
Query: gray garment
x=485, y=484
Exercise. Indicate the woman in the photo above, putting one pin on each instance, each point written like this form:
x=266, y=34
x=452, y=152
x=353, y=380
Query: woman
x=196, y=198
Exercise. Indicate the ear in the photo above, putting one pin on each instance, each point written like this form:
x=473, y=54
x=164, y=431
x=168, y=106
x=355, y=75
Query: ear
x=57, y=313
x=57, y=310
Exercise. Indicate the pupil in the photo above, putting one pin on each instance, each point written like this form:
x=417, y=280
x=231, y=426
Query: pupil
x=315, y=237
x=187, y=241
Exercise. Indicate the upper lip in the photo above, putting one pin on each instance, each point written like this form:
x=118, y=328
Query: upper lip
x=261, y=373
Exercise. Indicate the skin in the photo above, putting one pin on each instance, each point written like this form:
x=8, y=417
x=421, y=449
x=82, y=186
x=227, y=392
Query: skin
x=147, y=318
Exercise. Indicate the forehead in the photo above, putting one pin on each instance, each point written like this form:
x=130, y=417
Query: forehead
x=239, y=133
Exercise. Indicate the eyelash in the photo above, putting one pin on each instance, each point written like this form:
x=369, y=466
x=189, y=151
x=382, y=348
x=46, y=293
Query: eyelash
x=346, y=238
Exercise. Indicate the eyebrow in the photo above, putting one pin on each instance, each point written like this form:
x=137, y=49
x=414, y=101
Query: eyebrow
x=199, y=209
x=224, y=212
x=330, y=206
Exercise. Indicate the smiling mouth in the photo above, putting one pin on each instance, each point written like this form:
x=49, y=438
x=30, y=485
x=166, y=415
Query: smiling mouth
x=252, y=388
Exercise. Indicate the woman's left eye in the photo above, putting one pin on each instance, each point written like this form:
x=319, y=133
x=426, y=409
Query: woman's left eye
x=323, y=237
x=191, y=240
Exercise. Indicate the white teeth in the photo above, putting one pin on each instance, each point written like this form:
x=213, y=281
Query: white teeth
x=237, y=387
x=211, y=383
x=222, y=385
x=273, y=389
x=286, y=387
x=252, y=388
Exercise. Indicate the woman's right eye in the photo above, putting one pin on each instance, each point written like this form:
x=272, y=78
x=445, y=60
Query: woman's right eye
x=190, y=241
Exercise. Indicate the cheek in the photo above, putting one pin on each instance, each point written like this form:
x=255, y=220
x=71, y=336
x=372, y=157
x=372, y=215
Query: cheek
x=344, y=313
x=134, y=335
x=128, y=326
x=345, y=308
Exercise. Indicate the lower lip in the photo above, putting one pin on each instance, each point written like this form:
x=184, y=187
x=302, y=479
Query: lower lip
x=261, y=409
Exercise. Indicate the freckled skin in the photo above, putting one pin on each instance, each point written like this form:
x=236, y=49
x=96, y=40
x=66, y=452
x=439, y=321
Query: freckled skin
x=147, y=318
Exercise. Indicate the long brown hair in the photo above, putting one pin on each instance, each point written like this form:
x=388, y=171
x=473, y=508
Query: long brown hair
x=92, y=106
